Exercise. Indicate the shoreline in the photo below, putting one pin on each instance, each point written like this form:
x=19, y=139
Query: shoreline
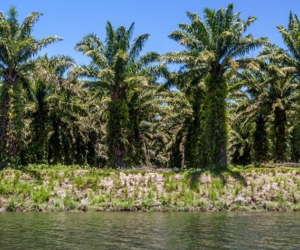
x=60, y=188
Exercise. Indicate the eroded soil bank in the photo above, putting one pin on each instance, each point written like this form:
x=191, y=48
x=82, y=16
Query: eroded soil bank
x=62, y=188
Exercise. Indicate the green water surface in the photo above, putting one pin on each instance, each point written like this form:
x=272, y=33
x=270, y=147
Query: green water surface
x=149, y=231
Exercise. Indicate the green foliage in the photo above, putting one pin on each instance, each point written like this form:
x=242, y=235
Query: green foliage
x=215, y=122
x=120, y=77
x=115, y=113
x=170, y=185
x=70, y=204
x=17, y=48
x=40, y=195
x=214, y=54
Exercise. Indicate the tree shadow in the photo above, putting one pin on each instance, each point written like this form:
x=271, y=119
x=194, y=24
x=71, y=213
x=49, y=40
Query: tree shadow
x=221, y=172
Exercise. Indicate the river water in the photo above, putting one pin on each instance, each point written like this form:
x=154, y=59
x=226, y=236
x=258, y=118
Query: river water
x=172, y=231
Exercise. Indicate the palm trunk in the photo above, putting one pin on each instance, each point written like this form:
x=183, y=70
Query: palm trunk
x=295, y=144
x=260, y=140
x=39, y=138
x=215, y=122
x=55, y=144
x=9, y=145
x=117, y=130
x=3, y=118
x=280, y=135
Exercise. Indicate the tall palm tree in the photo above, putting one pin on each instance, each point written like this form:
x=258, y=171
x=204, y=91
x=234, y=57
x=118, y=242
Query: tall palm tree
x=187, y=120
x=250, y=114
x=116, y=69
x=271, y=94
x=57, y=106
x=281, y=96
x=214, y=45
x=291, y=57
x=17, y=47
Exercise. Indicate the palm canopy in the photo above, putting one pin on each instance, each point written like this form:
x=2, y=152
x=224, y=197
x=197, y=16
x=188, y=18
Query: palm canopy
x=216, y=42
x=291, y=37
x=115, y=61
x=17, y=45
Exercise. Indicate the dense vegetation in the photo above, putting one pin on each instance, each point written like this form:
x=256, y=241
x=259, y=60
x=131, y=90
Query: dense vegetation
x=128, y=109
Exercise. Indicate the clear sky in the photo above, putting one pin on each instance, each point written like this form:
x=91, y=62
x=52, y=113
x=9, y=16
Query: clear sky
x=72, y=19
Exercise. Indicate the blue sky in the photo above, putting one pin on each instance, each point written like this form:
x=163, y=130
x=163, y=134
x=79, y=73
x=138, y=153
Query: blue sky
x=72, y=19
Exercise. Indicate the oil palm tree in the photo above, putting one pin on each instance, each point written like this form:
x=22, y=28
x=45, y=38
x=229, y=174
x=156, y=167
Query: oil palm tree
x=56, y=108
x=249, y=116
x=291, y=57
x=271, y=94
x=116, y=69
x=17, y=47
x=281, y=96
x=214, y=45
x=186, y=120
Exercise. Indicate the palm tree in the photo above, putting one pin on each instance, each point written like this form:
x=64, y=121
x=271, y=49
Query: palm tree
x=250, y=115
x=116, y=70
x=291, y=57
x=271, y=94
x=214, y=45
x=17, y=47
x=56, y=108
x=280, y=95
x=186, y=120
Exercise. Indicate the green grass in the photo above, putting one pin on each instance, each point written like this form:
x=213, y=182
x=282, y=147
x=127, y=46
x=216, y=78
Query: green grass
x=64, y=188
x=40, y=195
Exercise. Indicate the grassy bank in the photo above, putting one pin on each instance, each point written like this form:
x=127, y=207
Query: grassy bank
x=61, y=188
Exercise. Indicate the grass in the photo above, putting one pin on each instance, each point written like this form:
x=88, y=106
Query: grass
x=66, y=188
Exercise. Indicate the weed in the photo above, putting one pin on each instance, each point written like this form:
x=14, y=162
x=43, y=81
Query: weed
x=280, y=198
x=167, y=174
x=117, y=184
x=218, y=185
x=94, y=184
x=136, y=192
x=11, y=206
x=99, y=199
x=202, y=204
x=149, y=181
x=40, y=195
x=153, y=187
x=170, y=185
x=213, y=194
x=70, y=203
x=16, y=177
x=169, y=198
x=237, y=189
x=24, y=189
x=252, y=185
x=188, y=197
x=80, y=182
x=126, y=192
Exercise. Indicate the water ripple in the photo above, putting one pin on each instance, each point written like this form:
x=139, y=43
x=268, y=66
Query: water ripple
x=149, y=231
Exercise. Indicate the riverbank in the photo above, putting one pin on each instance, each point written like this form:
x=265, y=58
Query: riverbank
x=61, y=188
